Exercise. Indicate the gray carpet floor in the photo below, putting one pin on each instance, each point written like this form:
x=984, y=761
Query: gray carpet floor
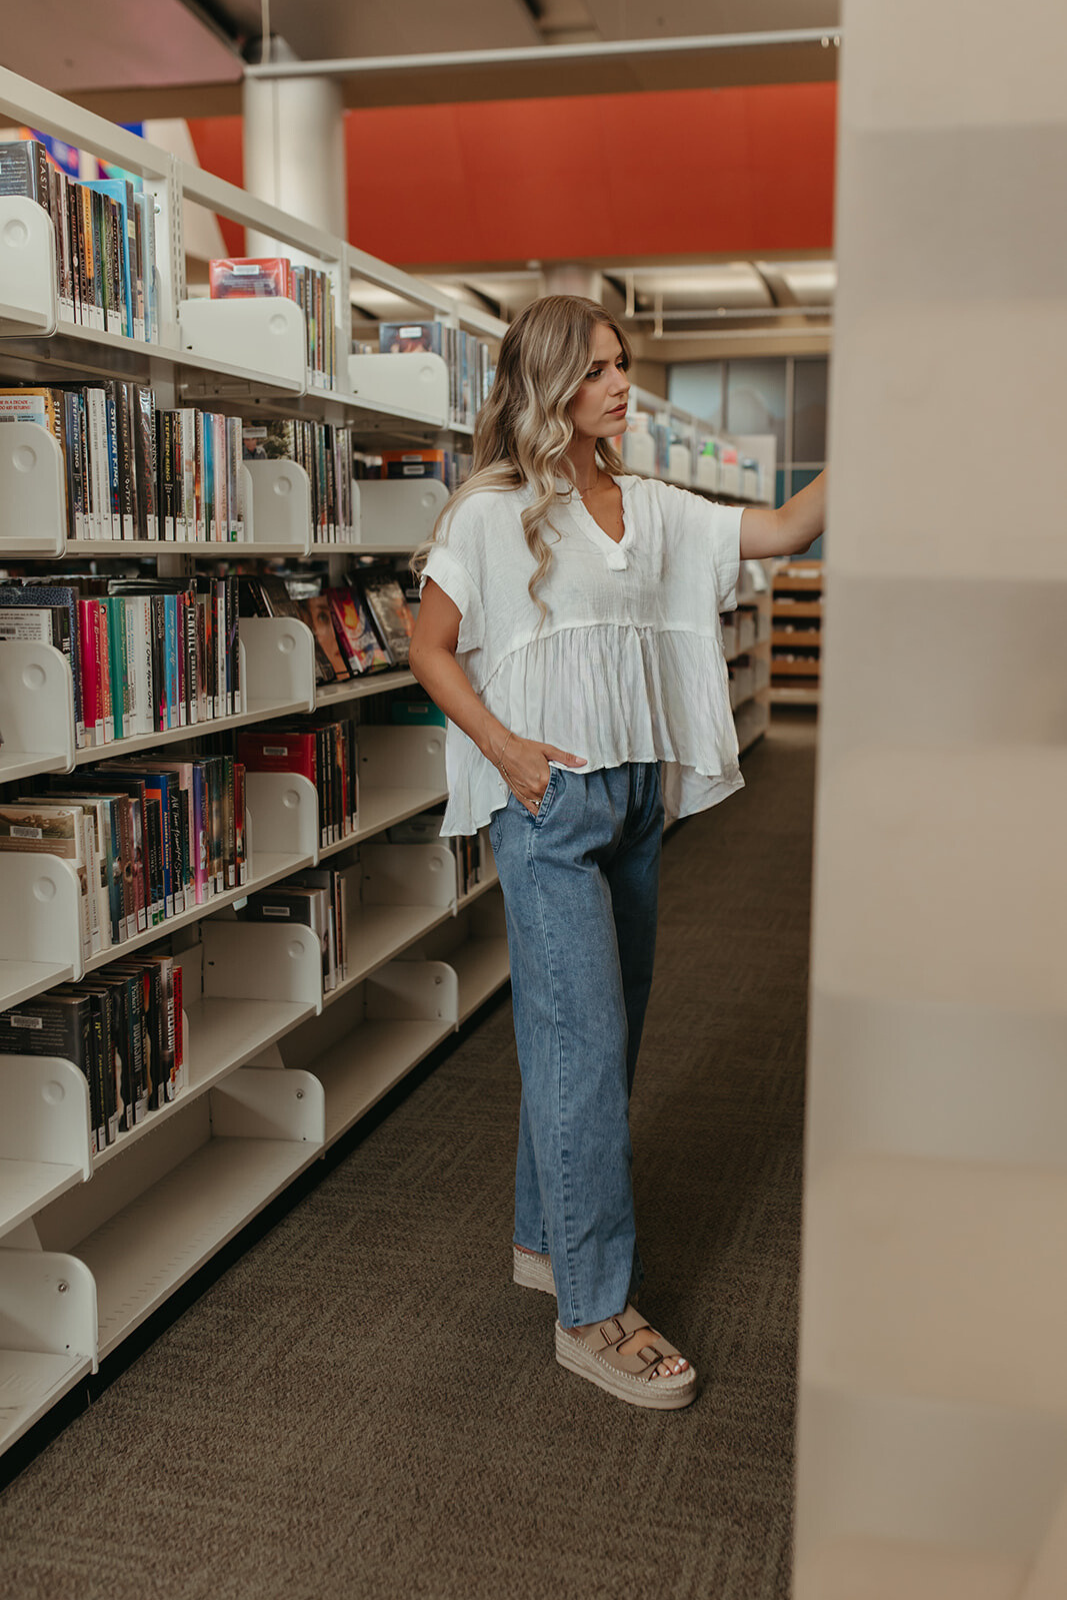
x=365, y=1405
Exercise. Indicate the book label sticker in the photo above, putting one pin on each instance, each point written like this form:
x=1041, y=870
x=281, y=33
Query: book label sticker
x=18, y=831
x=36, y=1023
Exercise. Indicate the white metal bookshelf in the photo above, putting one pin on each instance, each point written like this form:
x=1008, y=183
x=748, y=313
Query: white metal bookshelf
x=276, y=1069
x=92, y=1245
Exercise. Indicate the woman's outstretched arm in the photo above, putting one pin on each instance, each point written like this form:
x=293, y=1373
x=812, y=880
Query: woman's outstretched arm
x=789, y=530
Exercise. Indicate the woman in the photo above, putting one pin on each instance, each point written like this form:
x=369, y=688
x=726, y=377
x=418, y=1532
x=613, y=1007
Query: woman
x=569, y=630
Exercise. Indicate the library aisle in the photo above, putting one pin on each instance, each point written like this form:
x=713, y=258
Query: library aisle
x=365, y=1405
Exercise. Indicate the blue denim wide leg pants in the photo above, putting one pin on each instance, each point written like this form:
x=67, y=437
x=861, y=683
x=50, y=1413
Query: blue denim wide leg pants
x=580, y=883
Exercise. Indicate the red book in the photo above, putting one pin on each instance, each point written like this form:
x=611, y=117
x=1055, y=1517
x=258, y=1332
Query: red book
x=103, y=631
x=89, y=641
x=251, y=278
x=265, y=751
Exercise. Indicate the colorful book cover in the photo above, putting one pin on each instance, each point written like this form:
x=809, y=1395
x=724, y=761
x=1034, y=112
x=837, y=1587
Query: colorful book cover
x=251, y=278
x=355, y=632
x=390, y=613
x=319, y=617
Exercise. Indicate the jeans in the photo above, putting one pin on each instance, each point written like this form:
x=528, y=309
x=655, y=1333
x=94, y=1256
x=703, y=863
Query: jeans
x=580, y=883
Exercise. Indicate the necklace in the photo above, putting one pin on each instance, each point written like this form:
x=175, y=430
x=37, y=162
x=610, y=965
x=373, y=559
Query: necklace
x=592, y=486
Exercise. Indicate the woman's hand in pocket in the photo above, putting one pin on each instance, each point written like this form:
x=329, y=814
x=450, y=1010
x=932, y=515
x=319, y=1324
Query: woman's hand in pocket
x=525, y=766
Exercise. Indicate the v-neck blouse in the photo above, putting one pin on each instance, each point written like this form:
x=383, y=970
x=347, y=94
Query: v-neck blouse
x=628, y=664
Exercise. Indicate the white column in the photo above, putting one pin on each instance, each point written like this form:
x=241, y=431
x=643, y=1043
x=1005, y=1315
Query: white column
x=564, y=277
x=932, y=1457
x=294, y=149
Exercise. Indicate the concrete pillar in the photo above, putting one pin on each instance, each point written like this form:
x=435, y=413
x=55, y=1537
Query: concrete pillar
x=563, y=277
x=294, y=150
x=932, y=1444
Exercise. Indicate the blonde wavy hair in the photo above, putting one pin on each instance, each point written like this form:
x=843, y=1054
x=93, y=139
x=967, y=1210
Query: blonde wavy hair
x=522, y=432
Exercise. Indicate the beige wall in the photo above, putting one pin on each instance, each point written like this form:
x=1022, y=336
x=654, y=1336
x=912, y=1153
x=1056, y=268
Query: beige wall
x=932, y=1452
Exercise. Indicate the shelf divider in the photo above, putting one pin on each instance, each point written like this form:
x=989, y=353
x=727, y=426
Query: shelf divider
x=415, y=383
x=33, y=490
x=267, y=338
x=36, y=709
x=29, y=303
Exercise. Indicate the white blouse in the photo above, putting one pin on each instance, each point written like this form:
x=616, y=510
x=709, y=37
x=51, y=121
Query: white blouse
x=628, y=665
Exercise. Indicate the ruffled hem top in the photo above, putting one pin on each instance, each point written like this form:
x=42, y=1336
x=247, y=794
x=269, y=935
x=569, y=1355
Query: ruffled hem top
x=627, y=665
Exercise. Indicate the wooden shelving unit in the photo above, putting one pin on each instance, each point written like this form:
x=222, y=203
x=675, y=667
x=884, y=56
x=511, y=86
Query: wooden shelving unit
x=796, y=632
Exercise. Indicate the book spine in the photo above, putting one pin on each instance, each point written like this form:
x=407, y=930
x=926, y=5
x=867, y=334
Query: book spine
x=201, y=881
x=230, y=818
x=114, y=463
x=103, y=627
x=165, y=424
x=201, y=478
x=179, y=1032
x=145, y=420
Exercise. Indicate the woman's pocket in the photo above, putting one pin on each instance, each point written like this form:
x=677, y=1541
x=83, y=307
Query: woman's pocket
x=555, y=780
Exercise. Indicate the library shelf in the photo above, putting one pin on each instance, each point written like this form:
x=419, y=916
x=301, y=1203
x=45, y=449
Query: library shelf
x=474, y=944
x=22, y=980
x=380, y=934
x=373, y=1058
x=382, y=808
x=277, y=510
x=337, y=694
x=233, y=1150
x=395, y=894
x=385, y=1026
x=482, y=968
x=251, y=984
x=489, y=881
x=37, y=698
x=47, y=1334
x=76, y=354
x=785, y=695
x=281, y=811
x=44, y=1138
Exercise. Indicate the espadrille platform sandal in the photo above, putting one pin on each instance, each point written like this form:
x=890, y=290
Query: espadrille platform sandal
x=532, y=1271
x=595, y=1355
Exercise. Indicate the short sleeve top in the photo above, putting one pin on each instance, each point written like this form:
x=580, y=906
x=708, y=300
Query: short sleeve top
x=628, y=663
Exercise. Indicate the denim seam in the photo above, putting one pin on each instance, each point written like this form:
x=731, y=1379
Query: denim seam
x=564, y=1174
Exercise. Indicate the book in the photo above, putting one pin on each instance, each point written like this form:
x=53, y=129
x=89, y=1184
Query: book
x=390, y=613
x=355, y=632
x=318, y=614
x=251, y=277
x=407, y=337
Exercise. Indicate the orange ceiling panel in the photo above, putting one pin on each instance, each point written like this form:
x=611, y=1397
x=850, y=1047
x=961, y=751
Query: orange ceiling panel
x=692, y=172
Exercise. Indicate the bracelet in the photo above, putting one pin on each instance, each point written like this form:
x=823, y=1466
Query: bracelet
x=500, y=761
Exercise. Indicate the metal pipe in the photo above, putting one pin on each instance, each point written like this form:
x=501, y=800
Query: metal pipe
x=545, y=55
x=721, y=313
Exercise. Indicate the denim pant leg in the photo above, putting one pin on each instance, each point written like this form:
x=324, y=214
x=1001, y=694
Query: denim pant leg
x=573, y=1190
x=633, y=878
x=632, y=875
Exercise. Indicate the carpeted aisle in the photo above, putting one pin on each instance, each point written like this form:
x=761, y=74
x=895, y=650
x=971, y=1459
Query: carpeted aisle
x=364, y=1405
